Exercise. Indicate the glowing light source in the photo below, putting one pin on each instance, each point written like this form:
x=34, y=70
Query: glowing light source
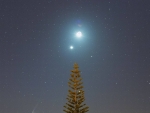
x=71, y=47
x=79, y=34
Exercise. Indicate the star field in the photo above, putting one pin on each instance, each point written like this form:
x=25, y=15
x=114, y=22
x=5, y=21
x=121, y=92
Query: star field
x=38, y=47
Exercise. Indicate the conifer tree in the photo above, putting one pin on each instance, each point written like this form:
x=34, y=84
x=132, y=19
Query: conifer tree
x=76, y=94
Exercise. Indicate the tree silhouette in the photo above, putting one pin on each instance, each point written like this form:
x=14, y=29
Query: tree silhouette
x=76, y=94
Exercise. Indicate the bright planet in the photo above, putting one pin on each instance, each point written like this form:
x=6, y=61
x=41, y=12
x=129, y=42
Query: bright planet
x=71, y=47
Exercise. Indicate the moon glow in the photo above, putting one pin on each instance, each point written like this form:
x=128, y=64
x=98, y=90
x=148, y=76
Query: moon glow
x=79, y=34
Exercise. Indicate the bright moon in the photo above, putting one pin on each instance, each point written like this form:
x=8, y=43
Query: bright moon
x=71, y=47
x=79, y=34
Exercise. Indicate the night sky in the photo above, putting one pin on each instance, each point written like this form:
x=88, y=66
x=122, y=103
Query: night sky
x=113, y=54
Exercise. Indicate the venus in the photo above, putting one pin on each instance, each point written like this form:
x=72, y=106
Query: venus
x=71, y=47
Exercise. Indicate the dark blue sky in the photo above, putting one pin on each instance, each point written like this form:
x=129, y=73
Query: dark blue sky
x=113, y=54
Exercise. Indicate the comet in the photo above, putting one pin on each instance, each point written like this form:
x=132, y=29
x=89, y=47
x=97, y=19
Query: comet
x=33, y=111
